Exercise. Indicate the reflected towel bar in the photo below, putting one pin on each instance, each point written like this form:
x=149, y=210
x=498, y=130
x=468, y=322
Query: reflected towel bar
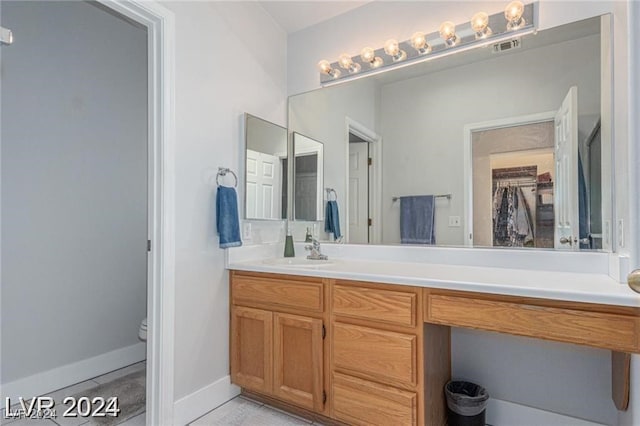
x=447, y=196
x=329, y=191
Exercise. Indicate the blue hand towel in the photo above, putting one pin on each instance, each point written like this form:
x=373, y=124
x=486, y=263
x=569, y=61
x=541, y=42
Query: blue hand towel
x=417, y=219
x=227, y=222
x=332, y=219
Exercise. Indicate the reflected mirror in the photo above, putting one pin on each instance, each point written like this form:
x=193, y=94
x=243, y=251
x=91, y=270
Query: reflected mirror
x=308, y=171
x=265, y=169
x=492, y=147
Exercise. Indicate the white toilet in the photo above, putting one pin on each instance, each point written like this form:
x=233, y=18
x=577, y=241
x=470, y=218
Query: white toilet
x=142, y=332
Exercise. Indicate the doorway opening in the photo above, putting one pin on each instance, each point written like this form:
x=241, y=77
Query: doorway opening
x=79, y=126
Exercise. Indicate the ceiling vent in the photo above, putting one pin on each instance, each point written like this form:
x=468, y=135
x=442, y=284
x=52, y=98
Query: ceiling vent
x=516, y=43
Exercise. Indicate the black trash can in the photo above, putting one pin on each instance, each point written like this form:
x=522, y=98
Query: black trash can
x=466, y=403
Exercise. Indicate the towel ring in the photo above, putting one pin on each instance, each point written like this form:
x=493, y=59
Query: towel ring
x=222, y=171
x=329, y=191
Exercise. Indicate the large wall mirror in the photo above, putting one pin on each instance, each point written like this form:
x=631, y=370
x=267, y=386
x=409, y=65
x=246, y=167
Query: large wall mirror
x=483, y=148
x=265, y=169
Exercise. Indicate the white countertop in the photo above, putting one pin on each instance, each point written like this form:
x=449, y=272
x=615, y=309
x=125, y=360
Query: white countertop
x=555, y=285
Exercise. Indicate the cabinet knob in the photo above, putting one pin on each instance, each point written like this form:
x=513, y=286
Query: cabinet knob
x=633, y=279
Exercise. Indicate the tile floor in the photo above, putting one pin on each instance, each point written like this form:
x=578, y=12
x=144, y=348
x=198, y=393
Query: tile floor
x=244, y=412
x=237, y=412
x=59, y=395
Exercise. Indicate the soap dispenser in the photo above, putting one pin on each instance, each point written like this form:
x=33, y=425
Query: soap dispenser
x=288, y=244
x=308, y=238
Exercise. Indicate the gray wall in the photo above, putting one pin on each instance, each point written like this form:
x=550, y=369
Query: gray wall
x=74, y=195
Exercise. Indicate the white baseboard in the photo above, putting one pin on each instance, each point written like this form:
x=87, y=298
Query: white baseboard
x=200, y=402
x=67, y=375
x=505, y=413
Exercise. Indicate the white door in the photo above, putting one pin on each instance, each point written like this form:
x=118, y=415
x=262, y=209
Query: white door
x=359, y=193
x=263, y=186
x=565, y=195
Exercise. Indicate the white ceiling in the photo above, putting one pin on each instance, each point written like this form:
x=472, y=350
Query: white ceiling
x=294, y=15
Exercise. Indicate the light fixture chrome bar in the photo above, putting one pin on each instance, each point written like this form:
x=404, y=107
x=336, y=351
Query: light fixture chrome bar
x=467, y=41
x=6, y=36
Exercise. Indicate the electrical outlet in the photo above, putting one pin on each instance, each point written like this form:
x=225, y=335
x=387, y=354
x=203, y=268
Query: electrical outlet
x=454, y=221
x=246, y=231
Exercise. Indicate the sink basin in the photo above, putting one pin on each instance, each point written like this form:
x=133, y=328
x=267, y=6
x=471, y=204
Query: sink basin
x=297, y=262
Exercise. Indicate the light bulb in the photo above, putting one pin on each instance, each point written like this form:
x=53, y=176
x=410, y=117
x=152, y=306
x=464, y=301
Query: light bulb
x=377, y=62
x=348, y=64
x=325, y=67
x=513, y=13
x=448, y=33
x=419, y=42
x=368, y=54
x=345, y=61
x=480, y=24
x=392, y=48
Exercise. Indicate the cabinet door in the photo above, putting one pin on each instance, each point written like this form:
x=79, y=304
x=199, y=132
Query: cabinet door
x=252, y=348
x=297, y=360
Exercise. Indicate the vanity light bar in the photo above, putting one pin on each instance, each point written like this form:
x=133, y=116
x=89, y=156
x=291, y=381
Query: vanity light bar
x=482, y=30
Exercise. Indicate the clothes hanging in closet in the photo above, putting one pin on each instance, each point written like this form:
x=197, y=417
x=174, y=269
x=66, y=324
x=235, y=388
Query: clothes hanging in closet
x=512, y=224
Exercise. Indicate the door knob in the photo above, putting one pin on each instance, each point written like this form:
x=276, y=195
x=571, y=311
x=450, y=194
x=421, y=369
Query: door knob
x=565, y=240
x=633, y=279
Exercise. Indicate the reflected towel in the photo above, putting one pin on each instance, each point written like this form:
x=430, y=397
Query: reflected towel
x=227, y=222
x=332, y=219
x=417, y=220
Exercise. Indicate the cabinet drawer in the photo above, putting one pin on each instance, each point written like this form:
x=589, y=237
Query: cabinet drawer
x=599, y=329
x=380, y=355
x=360, y=402
x=387, y=306
x=286, y=291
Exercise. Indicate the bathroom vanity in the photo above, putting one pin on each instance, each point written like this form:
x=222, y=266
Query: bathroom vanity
x=375, y=325
x=376, y=351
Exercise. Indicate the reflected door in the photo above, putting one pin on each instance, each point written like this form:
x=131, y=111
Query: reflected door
x=359, y=193
x=263, y=188
x=566, y=155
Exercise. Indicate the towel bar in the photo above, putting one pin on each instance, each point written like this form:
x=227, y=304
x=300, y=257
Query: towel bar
x=447, y=196
x=222, y=171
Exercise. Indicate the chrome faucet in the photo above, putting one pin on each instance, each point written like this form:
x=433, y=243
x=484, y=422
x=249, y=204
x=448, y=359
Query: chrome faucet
x=314, y=248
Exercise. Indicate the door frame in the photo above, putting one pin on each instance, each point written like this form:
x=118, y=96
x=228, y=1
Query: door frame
x=468, y=158
x=160, y=24
x=375, y=178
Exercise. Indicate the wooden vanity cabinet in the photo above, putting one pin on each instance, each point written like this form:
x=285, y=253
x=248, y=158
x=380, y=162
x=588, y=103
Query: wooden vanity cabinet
x=380, y=375
x=277, y=337
x=361, y=353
